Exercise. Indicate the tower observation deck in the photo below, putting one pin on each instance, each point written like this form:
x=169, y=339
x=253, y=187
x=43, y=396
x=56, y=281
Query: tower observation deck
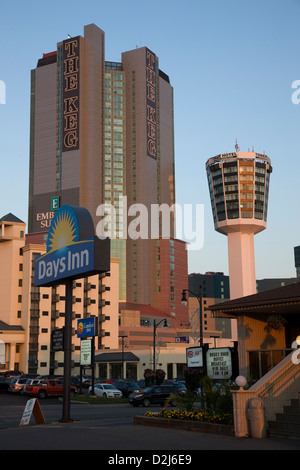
x=239, y=191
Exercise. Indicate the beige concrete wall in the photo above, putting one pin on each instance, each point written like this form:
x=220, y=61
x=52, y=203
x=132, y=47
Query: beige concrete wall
x=11, y=271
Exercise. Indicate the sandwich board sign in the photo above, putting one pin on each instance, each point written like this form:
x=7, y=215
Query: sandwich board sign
x=32, y=406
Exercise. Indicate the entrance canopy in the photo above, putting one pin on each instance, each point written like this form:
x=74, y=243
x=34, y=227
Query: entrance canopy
x=116, y=357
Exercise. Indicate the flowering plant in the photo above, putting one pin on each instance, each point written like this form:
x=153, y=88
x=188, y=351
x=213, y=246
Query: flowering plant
x=193, y=377
x=159, y=376
x=276, y=321
x=204, y=415
x=149, y=376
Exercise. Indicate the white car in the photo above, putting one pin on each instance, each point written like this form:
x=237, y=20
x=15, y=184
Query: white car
x=106, y=390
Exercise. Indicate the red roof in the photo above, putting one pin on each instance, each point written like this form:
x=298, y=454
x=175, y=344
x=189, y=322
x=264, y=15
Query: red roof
x=143, y=309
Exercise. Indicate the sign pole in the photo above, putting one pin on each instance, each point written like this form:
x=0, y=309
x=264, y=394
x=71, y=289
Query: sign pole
x=67, y=353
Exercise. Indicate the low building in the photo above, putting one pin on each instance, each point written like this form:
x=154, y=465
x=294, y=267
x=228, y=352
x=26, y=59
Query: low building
x=268, y=324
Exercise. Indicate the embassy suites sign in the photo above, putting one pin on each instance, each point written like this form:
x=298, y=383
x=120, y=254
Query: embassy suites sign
x=72, y=249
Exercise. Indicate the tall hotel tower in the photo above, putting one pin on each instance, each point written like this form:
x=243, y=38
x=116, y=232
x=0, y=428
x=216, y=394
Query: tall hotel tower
x=239, y=188
x=102, y=133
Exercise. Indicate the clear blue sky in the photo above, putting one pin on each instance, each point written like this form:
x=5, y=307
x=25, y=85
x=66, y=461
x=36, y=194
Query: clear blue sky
x=231, y=64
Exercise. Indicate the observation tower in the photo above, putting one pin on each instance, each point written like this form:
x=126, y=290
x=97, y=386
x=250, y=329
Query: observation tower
x=239, y=190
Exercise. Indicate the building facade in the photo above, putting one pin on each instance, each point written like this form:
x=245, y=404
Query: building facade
x=102, y=137
x=239, y=192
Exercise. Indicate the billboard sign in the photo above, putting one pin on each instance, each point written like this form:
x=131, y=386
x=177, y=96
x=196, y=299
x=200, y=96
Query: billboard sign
x=58, y=339
x=85, y=352
x=194, y=357
x=86, y=327
x=72, y=249
x=182, y=339
x=151, y=98
x=71, y=94
x=219, y=363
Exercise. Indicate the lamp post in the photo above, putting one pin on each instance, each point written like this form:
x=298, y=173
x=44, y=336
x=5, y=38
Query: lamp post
x=184, y=303
x=123, y=336
x=199, y=298
x=155, y=326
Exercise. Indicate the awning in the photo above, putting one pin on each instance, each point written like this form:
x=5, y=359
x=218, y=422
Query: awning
x=116, y=357
x=283, y=300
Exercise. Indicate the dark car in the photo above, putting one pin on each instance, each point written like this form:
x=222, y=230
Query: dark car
x=156, y=394
x=4, y=384
x=127, y=387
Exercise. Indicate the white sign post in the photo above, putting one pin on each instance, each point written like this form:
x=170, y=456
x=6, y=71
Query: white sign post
x=85, y=352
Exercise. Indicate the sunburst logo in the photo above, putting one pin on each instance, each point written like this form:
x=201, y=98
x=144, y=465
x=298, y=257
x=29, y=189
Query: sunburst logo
x=63, y=230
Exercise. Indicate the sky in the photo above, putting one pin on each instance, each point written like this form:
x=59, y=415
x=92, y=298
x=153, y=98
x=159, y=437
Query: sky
x=231, y=63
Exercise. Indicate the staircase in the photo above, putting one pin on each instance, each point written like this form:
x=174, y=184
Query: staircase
x=286, y=424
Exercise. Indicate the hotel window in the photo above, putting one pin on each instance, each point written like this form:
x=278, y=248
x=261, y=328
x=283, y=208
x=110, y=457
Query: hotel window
x=247, y=215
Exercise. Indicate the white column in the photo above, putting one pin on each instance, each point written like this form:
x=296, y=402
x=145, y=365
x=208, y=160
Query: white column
x=241, y=261
x=12, y=356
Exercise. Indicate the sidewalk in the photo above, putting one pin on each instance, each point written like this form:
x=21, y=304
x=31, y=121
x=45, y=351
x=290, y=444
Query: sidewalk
x=98, y=435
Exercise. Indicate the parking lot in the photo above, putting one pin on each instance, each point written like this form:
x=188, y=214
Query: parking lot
x=109, y=427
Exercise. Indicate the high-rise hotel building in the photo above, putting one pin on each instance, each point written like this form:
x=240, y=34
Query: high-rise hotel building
x=102, y=133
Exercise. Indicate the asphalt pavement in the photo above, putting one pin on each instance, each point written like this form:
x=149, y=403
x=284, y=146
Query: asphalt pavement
x=111, y=430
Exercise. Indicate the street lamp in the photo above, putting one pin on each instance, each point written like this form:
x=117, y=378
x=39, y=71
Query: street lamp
x=199, y=298
x=184, y=303
x=155, y=326
x=123, y=336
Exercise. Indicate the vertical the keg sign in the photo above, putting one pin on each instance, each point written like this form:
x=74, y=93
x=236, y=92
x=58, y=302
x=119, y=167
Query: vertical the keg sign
x=71, y=94
x=151, y=95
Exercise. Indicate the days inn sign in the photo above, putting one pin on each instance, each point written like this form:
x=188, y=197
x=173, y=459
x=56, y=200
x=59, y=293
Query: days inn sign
x=73, y=251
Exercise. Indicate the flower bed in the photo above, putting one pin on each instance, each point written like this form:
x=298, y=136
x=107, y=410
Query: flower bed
x=205, y=421
x=206, y=416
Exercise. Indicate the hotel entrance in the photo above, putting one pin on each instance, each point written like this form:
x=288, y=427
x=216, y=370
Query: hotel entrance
x=117, y=365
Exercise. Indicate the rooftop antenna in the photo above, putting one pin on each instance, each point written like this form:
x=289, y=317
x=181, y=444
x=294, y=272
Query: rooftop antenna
x=237, y=148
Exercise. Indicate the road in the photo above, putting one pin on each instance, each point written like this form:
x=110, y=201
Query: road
x=12, y=407
x=110, y=428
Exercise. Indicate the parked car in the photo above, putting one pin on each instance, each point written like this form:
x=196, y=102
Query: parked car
x=16, y=385
x=76, y=382
x=141, y=383
x=86, y=381
x=4, y=384
x=179, y=379
x=53, y=387
x=127, y=387
x=156, y=394
x=12, y=373
x=106, y=390
x=29, y=386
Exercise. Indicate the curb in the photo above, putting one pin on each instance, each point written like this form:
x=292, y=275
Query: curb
x=185, y=425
